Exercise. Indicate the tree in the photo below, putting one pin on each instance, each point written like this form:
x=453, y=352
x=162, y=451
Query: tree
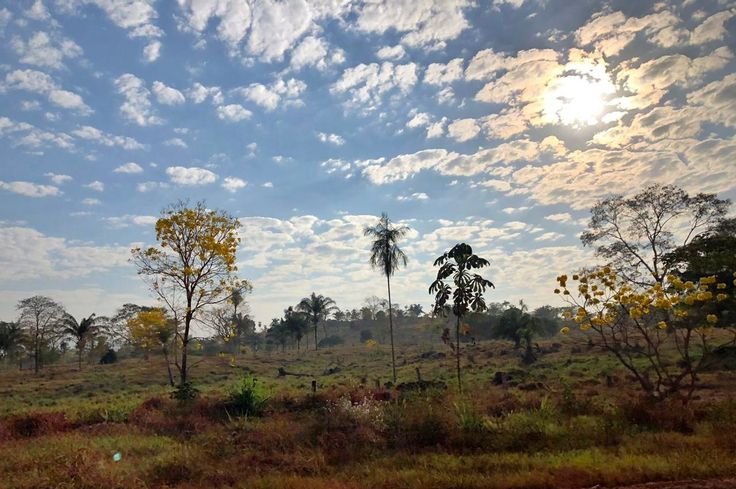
x=11, y=338
x=387, y=257
x=81, y=331
x=296, y=324
x=414, y=310
x=317, y=308
x=116, y=327
x=635, y=234
x=456, y=278
x=40, y=316
x=153, y=330
x=192, y=268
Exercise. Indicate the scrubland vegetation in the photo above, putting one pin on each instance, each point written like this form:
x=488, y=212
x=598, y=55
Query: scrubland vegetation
x=628, y=379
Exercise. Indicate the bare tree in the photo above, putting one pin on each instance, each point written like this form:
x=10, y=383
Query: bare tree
x=41, y=318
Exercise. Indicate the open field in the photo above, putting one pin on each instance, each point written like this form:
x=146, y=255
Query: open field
x=565, y=421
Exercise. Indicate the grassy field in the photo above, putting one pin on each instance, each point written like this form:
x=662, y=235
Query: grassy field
x=569, y=420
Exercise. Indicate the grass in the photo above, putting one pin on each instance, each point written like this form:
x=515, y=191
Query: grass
x=557, y=425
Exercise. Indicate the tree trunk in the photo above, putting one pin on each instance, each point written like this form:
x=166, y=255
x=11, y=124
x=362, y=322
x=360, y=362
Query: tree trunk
x=79, y=358
x=391, y=328
x=315, y=336
x=457, y=354
x=184, y=346
x=168, y=366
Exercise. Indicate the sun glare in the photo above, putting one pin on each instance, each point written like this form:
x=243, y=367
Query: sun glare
x=579, y=97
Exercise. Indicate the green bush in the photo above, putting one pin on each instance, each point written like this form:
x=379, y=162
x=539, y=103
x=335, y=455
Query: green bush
x=185, y=392
x=248, y=398
x=330, y=341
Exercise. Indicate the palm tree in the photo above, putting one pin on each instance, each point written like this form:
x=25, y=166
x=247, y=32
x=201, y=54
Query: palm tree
x=387, y=256
x=317, y=308
x=81, y=331
x=455, y=268
x=11, y=336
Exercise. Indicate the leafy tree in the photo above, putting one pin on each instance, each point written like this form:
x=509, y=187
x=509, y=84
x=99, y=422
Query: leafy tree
x=278, y=332
x=11, y=338
x=297, y=324
x=116, y=327
x=317, y=308
x=81, y=331
x=40, y=317
x=710, y=253
x=414, y=310
x=192, y=268
x=635, y=234
x=153, y=330
x=387, y=257
x=456, y=280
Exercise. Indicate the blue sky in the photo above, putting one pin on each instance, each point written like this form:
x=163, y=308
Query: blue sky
x=498, y=123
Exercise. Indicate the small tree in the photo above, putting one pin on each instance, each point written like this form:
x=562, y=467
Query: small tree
x=297, y=324
x=317, y=307
x=40, y=317
x=192, y=268
x=643, y=326
x=81, y=331
x=455, y=279
x=153, y=330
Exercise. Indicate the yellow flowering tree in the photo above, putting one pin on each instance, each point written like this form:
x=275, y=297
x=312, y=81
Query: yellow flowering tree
x=152, y=330
x=661, y=334
x=192, y=268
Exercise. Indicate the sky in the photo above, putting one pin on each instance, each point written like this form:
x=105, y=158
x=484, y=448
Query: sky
x=493, y=122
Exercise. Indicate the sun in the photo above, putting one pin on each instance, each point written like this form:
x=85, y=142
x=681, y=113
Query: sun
x=579, y=96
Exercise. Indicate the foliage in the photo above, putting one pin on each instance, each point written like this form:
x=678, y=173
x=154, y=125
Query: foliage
x=331, y=341
x=640, y=326
x=184, y=392
x=388, y=257
x=193, y=267
x=109, y=357
x=635, y=234
x=455, y=278
x=317, y=307
x=153, y=330
x=11, y=337
x=248, y=397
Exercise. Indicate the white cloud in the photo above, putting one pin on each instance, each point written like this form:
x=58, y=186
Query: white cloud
x=279, y=92
x=198, y=93
x=144, y=187
x=167, y=95
x=441, y=74
x=463, y=129
x=152, y=51
x=233, y=184
x=335, y=139
x=136, y=16
x=190, y=176
x=426, y=23
x=93, y=134
x=233, y=113
x=58, y=179
x=38, y=11
x=130, y=219
x=45, y=51
x=41, y=83
x=178, y=142
x=713, y=28
x=314, y=51
x=366, y=84
x=97, y=186
x=29, y=189
x=414, y=196
x=137, y=105
x=336, y=165
x=391, y=53
x=559, y=217
x=267, y=185
x=91, y=202
x=129, y=168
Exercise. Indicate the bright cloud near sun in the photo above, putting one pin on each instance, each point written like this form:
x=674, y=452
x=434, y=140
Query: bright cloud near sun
x=496, y=123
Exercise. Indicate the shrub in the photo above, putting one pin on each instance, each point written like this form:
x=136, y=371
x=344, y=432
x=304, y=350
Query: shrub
x=330, y=341
x=185, y=392
x=418, y=421
x=365, y=335
x=109, y=357
x=248, y=397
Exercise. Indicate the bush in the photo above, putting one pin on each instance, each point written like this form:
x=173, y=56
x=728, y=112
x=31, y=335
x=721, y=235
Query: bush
x=109, y=357
x=366, y=335
x=248, y=398
x=333, y=340
x=185, y=392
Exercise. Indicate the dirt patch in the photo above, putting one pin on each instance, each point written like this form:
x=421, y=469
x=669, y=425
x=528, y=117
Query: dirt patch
x=687, y=484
